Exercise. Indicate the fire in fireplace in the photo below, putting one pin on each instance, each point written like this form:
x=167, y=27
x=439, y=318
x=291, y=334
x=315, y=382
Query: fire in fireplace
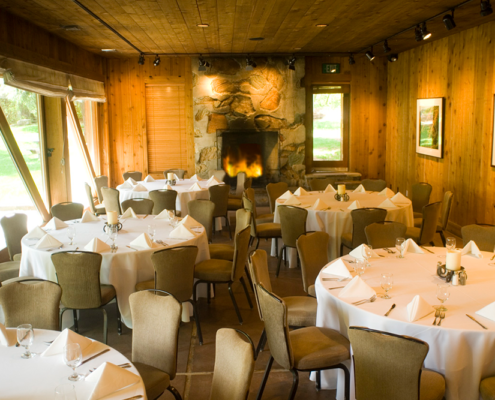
x=246, y=158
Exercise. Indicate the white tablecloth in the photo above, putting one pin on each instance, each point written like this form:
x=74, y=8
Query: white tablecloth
x=338, y=220
x=122, y=269
x=38, y=377
x=460, y=349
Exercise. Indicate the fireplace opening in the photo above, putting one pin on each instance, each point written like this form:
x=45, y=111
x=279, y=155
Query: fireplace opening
x=243, y=158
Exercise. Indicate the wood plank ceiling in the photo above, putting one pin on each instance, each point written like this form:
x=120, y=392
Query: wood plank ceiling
x=287, y=26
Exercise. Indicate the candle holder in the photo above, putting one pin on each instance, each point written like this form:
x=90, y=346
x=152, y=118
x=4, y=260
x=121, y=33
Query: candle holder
x=170, y=182
x=119, y=226
x=458, y=277
x=339, y=197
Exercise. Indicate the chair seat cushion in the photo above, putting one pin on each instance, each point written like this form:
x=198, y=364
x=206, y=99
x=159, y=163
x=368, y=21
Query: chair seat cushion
x=100, y=209
x=107, y=293
x=312, y=290
x=301, y=310
x=346, y=240
x=315, y=348
x=269, y=230
x=222, y=251
x=17, y=257
x=145, y=285
x=417, y=214
x=433, y=386
x=155, y=381
x=264, y=218
x=487, y=388
x=413, y=233
x=9, y=270
x=234, y=204
x=213, y=270
x=418, y=222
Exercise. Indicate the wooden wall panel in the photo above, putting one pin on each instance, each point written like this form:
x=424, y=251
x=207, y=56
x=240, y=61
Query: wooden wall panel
x=460, y=69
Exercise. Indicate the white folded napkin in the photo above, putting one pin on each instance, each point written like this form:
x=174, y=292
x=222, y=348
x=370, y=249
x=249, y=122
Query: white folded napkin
x=418, y=308
x=387, y=203
x=139, y=188
x=320, y=205
x=168, y=187
x=399, y=198
x=359, y=189
x=213, y=182
x=165, y=214
x=88, y=216
x=55, y=224
x=149, y=178
x=97, y=246
x=300, y=192
x=195, y=187
x=292, y=201
x=355, y=205
x=8, y=337
x=196, y=178
x=338, y=268
x=182, y=232
x=190, y=222
x=36, y=233
x=177, y=178
x=131, y=181
x=65, y=337
x=487, y=311
x=330, y=189
x=286, y=195
x=108, y=378
x=143, y=241
x=387, y=192
x=471, y=250
x=410, y=246
x=129, y=213
x=125, y=185
x=358, y=252
x=358, y=289
x=47, y=242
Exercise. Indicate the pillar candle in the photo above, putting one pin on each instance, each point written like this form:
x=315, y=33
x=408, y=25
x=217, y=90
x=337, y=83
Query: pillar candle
x=453, y=261
x=170, y=176
x=341, y=189
x=113, y=217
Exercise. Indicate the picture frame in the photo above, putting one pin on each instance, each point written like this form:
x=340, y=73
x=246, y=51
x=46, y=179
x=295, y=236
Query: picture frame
x=493, y=135
x=429, y=127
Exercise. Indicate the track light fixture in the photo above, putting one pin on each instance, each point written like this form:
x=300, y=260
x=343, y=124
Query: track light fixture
x=448, y=21
x=352, y=61
x=250, y=64
x=370, y=54
x=417, y=34
x=156, y=63
x=392, y=57
x=203, y=64
x=424, y=31
x=291, y=62
x=141, y=59
x=486, y=8
x=386, y=49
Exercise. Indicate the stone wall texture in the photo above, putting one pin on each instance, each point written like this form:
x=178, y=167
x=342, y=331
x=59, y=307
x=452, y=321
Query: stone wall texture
x=270, y=97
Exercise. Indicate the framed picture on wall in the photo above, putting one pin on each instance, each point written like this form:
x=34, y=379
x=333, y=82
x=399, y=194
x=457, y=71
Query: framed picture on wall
x=493, y=135
x=429, y=127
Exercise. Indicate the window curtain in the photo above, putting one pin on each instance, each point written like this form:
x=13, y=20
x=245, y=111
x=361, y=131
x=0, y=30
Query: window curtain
x=86, y=89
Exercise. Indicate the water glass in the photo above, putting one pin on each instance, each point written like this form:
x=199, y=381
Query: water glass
x=367, y=254
x=65, y=392
x=151, y=232
x=450, y=243
x=359, y=267
x=443, y=294
x=399, y=245
x=386, y=282
x=73, y=359
x=25, y=337
x=112, y=232
x=71, y=234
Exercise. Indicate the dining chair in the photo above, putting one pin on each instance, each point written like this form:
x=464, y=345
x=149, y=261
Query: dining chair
x=313, y=252
x=301, y=310
x=234, y=365
x=260, y=219
x=320, y=184
x=140, y=206
x=14, y=228
x=112, y=199
x=374, y=185
x=293, y=224
x=361, y=218
x=67, y=211
x=136, y=175
x=156, y=317
x=181, y=173
x=225, y=251
x=426, y=233
x=487, y=388
x=482, y=235
x=420, y=197
x=274, y=191
x=78, y=273
x=9, y=270
x=219, y=195
x=219, y=174
x=383, y=234
x=305, y=349
x=390, y=366
x=163, y=199
x=31, y=301
x=96, y=209
x=100, y=182
x=444, y=216
x=202, y=211
x=215, y=271
x=174, y=273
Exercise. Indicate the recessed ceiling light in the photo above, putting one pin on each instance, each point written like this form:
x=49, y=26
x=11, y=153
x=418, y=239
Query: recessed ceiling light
x=202, y=25
x=321, y=25
x=256, y=39
x=71, y=27
x=108, y=50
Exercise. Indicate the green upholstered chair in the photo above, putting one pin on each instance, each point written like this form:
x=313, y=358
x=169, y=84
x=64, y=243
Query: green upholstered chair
x=14, y=228
x=420, y=197
x=219, y=195
x=78, y=273
x=67, y=211
x=482, y=235
x=202, y=211
x=274, y=191
x=181, y=173
x=260, y=219
x=163, y=199
x=31, y=301
x=156, y=318
x=313, y=252
x=112, y=199
x=389, y=366
x=383, y=234
x=223, y=271
x=361, y=218
x=96, y=209
x=320, y=184
x=234, y=365
x=304, y=349
x=374, y=185
x=9, y=270
x=219, y=174
x=448, y=197
x=487, y=388
x=224, y=251
x=136, y=175
x=426, y=233
x=100, y=182
x=140, y=206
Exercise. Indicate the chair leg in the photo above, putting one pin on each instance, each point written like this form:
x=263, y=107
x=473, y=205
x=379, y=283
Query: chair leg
x=347, y=382
x=295, y=384
x=228, y=225
x=251, y=240
x=261, y=344
x=280, y=260
x=285, y=256
x=74, y=316
x=246, y=291
x=119, y=318
x=432, y=243
x=257, y=243
x=208, y=293
x=265, y=378
x=105, y=326
x=249, y=278
x=318, y=381
x=444, y=241
x=174, y=392
x=235, y=303
x=341, y=249
x=195, y=289
x=276, y=247
x=61, y=317
x=198, y=325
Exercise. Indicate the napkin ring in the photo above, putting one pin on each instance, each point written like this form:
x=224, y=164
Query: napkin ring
x=119, y=226
x=344, y=197
x=170, y=182
x=458, y=277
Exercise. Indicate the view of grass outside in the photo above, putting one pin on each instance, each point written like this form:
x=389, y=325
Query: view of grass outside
x=327, y=126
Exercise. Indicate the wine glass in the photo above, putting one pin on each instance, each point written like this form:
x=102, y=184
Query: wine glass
x=386, y=282
x=25, y=337
x=399, y=245
x=71, y=234
x=443, y=294
x=112, y=232
x=151, y=232
x=367, y=254
x=66, y=391
x=359, y=267
x=73, y=359
x=450, y=243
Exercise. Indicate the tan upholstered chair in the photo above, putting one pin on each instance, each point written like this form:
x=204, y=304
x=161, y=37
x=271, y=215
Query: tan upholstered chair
x=163, y=199
x=301, y=310
x=361, y=218
x=293, y=225
x=234, y=365
x=374, y=185
x=9, y=270
x=202, y=211
x=313, y=252
x=31, y=301
x=100, y=182
x=389, y=366
x=219, y=195
x=444, y=216
x=383, y=234
x=223, y=271
x=78, y=274
x=487, y=388
x=420, y=197
x=155, y=340
x=174, y=273
x=67, y=211
x=140, y=206
x=426, y=233
x=319, y=184
x=112, y=199
x=482, y=235
x=219, y=174
x=14, y=228
x=136, y=175
x=224, y=251
x=305, y=349
x=181, y=173
x=96, y=209
x=274, y=191
x=260, y=219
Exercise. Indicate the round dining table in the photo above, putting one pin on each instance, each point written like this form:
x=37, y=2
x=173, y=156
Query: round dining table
x=123, y=268
x=460, y=349
x=38, y=377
